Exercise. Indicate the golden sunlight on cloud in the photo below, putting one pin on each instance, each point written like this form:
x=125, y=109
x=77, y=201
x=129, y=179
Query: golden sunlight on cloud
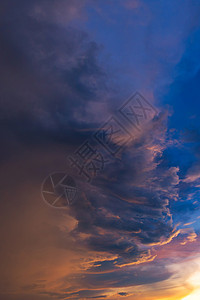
x=194, y=281
x=194, y=296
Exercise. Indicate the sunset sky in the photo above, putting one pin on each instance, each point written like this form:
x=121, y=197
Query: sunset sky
x=70, y=69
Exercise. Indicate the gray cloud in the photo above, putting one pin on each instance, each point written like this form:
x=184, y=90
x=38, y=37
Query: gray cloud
x=126, y=211
x=51, y=87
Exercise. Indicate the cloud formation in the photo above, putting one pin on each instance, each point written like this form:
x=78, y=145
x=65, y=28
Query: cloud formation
x=56, y=90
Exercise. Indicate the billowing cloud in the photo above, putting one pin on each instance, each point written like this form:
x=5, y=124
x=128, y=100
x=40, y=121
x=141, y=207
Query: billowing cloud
x=56, y=89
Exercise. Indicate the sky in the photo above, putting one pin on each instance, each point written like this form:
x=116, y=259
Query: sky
x=101, y=97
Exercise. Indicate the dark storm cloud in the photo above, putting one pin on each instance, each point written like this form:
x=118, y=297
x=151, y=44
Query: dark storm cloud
x=51, y=85
x=122, y=277
x=49, y=74
x=128, y=205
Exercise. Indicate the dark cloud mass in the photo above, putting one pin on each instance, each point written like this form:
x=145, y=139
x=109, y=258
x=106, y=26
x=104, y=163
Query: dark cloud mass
x=129, y=207
x=50, y=74
x=55, y=91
